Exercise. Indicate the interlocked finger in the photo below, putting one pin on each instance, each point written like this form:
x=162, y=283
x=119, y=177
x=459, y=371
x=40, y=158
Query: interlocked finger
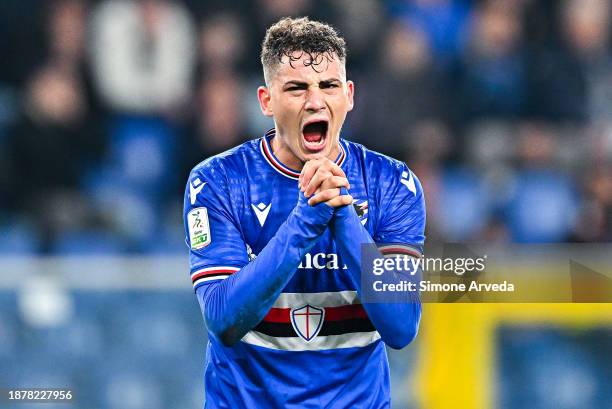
x=343, y=200
x=324, y=196
x=310, y=170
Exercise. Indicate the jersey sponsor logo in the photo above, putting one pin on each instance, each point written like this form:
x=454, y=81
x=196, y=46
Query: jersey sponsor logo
x=199, y=228
x=307, y=321
x=408, y=181
x=321, y=261
x=361, y=207
x=195, y=188
x=261, y=211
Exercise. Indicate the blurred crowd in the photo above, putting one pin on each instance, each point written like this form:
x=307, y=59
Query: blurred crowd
x=503, y=108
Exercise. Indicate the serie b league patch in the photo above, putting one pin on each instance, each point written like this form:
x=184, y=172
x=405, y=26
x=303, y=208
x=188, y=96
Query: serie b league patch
x=199, y=228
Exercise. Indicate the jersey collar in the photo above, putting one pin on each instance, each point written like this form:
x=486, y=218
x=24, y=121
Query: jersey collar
x=266, y=151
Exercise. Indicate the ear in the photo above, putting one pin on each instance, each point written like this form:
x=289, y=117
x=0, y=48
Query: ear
x=263, y=95
x=350, y=90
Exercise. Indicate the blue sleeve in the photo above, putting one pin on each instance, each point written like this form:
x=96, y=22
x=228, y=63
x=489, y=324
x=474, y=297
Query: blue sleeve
x=403, y=220
x=216, y=246
x=403, y=223
x=234, y=305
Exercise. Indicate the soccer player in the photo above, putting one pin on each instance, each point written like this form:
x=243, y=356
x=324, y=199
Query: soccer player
x=275, y=240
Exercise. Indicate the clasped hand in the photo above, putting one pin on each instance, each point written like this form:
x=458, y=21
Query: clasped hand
x=321, y=180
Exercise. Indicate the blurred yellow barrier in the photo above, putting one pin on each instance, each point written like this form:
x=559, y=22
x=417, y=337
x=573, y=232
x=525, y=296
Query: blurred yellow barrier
x=456, y=367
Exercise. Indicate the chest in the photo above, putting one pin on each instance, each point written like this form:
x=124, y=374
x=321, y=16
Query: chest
x=266, y=205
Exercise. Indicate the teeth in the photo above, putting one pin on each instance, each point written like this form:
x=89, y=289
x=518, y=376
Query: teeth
x=315, y=144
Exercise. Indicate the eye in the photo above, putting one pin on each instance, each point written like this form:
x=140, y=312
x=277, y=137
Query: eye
x=295, y=88
x=328, y=85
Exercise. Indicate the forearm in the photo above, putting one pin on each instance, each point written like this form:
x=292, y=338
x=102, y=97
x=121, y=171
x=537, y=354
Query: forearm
x=234, y=306
x=397, y=322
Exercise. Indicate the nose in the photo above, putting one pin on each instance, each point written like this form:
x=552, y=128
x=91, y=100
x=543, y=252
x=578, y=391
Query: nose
x=314, y=100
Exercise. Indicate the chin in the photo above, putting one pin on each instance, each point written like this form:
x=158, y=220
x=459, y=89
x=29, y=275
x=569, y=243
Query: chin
x=315, y=155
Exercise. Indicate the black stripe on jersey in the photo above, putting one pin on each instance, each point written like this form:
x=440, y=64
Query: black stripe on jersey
x=347, y=326
x=276, y=329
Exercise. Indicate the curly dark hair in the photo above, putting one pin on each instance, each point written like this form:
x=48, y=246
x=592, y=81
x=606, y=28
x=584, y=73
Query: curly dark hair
x=318, y=40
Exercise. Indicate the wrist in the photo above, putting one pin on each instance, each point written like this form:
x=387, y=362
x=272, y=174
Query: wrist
x=342, y=212
x=319, y=214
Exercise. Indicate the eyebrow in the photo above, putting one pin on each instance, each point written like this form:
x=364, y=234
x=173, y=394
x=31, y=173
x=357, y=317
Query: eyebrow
x=295, y=82
x=330, y=81
x=303, y=84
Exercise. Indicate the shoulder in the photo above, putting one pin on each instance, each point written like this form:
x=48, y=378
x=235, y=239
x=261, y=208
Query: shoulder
x=216, y=180
x=228, y=164
x=377, y=164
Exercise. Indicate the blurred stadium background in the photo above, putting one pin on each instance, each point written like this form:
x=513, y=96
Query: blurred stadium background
x=501, y=107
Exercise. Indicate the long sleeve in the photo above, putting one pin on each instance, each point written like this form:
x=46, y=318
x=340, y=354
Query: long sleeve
x=233, y=306
x=397, y=321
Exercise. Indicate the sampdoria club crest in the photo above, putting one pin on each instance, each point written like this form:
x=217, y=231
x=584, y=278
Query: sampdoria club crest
x=307, y=321
x=361, y=207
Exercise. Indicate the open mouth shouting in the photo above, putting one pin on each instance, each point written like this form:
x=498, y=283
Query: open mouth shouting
x=314, y=135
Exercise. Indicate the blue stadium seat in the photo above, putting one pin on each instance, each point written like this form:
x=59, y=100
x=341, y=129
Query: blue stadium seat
x=142, y=348
x=543, y=368
x=543, y=207
x=18, y=239
x=131, y=214
x=170, y=240
x=142, y=153
x=88, y=242
x=463, y=208
x=9, y=339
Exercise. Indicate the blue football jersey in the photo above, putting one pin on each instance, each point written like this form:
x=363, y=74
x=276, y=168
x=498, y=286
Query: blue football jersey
x=316, y=347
